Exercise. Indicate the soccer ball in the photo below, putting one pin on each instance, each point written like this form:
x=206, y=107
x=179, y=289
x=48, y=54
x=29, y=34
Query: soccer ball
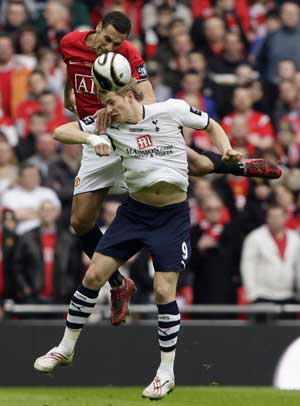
x=111, y=71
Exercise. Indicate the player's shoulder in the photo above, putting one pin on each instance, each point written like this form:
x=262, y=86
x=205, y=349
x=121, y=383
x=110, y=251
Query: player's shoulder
x=87, y=123
x=178, y=103
x=173, y=105
x=170, y=108
x=128, y=50
x=72, y=38
x=88, y=120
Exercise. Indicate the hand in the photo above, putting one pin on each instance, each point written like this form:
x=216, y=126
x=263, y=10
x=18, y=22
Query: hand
x=103, y=150
x=232, y=156
x=101, y=144
x=103, y=121
x=70, y=105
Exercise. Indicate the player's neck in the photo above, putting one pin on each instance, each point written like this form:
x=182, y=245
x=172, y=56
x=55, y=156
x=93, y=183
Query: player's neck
x=90, y=40
x=136, y=114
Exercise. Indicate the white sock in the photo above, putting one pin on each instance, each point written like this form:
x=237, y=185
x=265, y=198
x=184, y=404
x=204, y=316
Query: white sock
x=67, y=344
x=166, y=367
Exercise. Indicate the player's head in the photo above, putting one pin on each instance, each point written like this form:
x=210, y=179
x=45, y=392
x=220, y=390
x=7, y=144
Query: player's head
x=111, y=32
x=120, y=104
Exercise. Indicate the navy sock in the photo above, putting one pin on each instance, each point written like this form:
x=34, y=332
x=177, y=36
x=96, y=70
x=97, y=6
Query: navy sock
x=168, y=325
x=236, y=168
x=81, y=307
x=89, y=243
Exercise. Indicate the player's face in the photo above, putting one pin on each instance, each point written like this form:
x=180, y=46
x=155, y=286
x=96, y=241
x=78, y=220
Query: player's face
x=117, y=106
x=107, y=39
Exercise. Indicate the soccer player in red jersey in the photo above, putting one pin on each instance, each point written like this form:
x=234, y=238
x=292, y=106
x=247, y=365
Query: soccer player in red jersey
x=97, y=175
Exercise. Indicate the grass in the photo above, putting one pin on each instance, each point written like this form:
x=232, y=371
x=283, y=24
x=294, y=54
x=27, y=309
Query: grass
x=125, y=396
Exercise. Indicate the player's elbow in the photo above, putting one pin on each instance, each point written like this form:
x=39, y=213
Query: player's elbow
x=58, y=134
x=212, y=126
x=61, y=133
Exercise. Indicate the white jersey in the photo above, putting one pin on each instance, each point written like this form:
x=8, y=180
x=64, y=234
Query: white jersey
x=153, y=150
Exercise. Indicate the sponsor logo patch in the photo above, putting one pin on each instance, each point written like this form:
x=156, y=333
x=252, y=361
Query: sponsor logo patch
x=88, y=120
x=195, y=110
x=141, y=70
x=144, y=141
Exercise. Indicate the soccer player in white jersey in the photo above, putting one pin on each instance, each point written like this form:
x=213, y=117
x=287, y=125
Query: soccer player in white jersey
x=95, y=176
x=148, y=139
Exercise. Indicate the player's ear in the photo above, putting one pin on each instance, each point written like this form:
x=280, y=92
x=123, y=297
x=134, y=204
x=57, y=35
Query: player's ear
x=130, y=96
x=99, y=27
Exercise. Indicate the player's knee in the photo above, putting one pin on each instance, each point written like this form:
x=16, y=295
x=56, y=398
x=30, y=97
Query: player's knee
x=93, y=278
x=80, y=224
x=163, y=294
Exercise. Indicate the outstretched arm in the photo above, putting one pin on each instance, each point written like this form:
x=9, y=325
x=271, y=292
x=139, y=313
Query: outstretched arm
x=221, y=141
x=71, y=133
x=69, y=103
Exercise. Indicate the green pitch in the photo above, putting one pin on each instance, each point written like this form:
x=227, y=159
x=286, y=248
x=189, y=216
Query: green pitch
x=114, y=396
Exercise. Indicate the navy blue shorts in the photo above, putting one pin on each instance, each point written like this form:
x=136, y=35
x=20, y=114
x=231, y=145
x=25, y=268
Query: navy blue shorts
x=164, y=231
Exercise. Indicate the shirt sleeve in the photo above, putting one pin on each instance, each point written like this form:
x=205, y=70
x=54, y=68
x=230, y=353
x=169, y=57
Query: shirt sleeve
x=87, y=124
x=188, y=116
x=64, y=44
x=138, y=69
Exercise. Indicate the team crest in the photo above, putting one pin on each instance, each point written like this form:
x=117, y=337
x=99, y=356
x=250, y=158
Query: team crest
x=77, y=181
x=144, y=141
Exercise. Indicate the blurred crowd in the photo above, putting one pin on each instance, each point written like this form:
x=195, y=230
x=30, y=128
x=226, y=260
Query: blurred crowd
x=239, y=60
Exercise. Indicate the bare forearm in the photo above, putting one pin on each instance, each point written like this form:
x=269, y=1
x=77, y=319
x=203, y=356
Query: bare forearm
x=219, y=137
x=70, y=134
x=67, y=89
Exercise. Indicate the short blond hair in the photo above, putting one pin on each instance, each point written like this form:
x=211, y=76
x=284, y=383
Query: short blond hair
x=131, y=86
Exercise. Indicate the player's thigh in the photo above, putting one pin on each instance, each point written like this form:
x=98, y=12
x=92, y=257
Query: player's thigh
x=86, y=206
x=123, y=238
x=100, y=270
x=169, y=243
x=164, y=286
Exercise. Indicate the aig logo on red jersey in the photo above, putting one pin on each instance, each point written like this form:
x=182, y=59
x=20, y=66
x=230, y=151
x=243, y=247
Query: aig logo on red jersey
x=144, y=141
x=84, y=84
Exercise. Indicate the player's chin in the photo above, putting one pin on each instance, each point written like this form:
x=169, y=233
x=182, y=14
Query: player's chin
x=99, y=51
x=117, y=118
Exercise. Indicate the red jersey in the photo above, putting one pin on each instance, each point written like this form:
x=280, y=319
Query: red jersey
x=79, y=59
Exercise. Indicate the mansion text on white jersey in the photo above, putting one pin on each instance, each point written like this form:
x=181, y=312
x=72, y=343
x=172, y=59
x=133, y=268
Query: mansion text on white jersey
x=153, y=150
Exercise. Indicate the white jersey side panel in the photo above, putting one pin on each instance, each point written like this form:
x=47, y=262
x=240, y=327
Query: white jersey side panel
x=154, y=150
